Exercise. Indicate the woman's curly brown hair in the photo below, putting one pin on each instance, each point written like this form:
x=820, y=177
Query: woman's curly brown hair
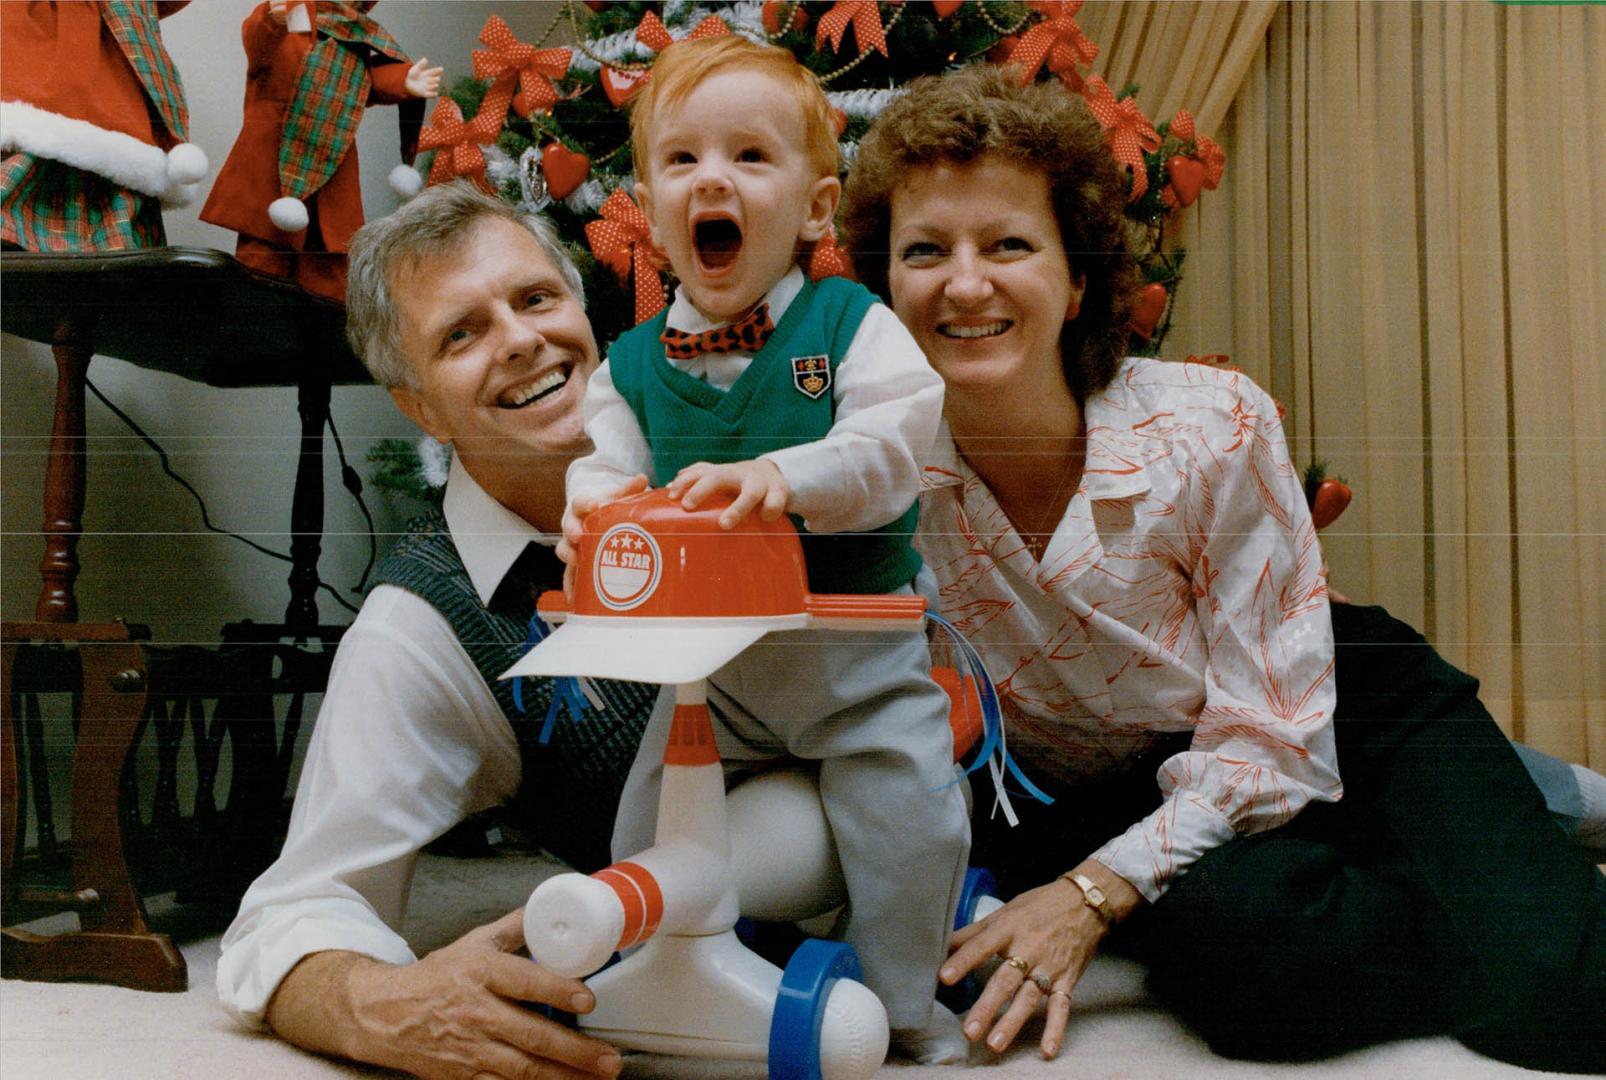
x=979, y=111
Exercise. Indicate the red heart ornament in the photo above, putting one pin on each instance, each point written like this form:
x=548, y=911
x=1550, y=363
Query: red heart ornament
x=620, y=86
x=1187, y=178
x=564, y=169
x=945, y=8
x=1151, y=305
x=1332, y=496
x=596, y=5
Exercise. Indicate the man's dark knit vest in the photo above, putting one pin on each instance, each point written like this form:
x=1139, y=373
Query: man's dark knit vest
x=571, y=786
x=770, y=406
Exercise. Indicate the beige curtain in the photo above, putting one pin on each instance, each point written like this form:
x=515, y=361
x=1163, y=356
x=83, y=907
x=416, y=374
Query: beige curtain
x=1181, y=53
x=1408, y=251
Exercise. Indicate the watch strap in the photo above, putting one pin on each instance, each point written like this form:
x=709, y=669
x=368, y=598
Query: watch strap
x=1092, y=895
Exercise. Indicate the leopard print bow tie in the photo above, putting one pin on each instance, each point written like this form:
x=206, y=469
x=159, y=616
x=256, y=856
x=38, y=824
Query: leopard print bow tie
x=746, y=335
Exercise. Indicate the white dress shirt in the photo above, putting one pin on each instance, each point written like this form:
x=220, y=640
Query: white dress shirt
x=861, y=475
x=1182, y=590
x=409, y=741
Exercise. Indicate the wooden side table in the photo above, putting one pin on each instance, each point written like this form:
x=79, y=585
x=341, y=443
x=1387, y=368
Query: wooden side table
x=201, y=315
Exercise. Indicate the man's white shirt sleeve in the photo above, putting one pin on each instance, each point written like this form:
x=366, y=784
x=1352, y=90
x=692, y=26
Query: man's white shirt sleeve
x=408, y=742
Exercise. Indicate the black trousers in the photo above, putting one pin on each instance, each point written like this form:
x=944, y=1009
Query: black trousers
x=1437, y=897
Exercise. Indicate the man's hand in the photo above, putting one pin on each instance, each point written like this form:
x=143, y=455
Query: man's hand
x=460, y=1013
x=754, y=483
x=574, y=516
x=422, y=80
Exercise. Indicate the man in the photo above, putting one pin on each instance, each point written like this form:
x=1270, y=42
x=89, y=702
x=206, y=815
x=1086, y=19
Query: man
x=473, y=317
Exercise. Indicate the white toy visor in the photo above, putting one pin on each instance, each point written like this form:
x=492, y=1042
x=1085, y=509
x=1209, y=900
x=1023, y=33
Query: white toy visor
x=664, y=651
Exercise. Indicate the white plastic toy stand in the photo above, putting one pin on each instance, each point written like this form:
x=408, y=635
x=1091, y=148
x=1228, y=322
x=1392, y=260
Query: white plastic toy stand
x=664, y=595
x=692, y=988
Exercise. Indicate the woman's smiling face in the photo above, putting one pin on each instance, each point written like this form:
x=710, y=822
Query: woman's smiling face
x=979, y=276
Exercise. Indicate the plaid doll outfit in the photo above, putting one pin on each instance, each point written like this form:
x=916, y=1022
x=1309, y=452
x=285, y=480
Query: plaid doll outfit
x=92, y=103
x=304, y=97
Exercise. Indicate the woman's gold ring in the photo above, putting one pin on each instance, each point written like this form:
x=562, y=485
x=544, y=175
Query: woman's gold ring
x=1061, y=993
x=1019, y=965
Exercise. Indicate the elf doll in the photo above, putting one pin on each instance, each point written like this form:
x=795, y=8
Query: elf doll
x=290, y=186
x=92, y=127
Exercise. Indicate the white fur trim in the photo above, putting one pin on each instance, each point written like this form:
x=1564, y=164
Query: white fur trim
x=180, y=195
x=289, y=214
x=187, y=164
x=405, y=181
x=120, y=158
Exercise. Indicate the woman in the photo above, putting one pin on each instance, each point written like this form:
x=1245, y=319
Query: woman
x=1127, y=543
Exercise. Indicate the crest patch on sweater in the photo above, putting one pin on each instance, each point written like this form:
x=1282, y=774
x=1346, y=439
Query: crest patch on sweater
x=811, y=375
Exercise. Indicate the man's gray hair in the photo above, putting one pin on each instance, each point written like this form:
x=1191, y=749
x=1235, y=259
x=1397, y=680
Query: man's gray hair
x=435, y=223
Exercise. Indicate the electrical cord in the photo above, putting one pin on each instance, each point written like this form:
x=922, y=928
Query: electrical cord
x=353, y=484
x=206, y=518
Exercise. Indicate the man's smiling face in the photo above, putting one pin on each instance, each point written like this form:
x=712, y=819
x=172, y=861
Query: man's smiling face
x=501, y=351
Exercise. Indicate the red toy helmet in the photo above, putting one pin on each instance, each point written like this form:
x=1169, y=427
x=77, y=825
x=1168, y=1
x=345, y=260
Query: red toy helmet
x=664, y=595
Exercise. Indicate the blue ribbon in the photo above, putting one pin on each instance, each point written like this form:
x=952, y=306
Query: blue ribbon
x=565, y=688
x=992, y=714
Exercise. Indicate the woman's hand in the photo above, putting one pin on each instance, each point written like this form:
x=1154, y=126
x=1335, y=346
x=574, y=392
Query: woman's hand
x=1055, y=933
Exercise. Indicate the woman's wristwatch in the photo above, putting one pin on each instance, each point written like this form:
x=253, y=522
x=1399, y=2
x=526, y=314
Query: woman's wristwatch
x=1092, y=896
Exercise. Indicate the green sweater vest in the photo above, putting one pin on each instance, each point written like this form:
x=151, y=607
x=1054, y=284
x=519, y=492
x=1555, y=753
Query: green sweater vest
x=686, y=420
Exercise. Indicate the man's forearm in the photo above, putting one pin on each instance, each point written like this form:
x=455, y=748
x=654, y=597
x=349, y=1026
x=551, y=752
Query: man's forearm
x=461, y=1011
x=314, y=1006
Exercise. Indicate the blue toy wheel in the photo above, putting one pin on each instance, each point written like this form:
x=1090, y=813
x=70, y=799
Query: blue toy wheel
x=800, y=1006
x=978, y=884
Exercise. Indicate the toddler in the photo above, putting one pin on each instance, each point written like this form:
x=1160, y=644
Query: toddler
x=803, y=398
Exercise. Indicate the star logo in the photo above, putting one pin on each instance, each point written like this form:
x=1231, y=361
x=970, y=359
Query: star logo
x=627, y=567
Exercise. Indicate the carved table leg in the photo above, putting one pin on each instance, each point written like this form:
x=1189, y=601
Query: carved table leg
x=306, y=510
x=64, y=478
x=115, y=944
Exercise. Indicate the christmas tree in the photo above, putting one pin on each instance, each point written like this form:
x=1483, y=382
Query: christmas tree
x=547, y=128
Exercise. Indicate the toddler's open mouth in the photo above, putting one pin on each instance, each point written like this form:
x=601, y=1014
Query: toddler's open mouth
x=717, y=242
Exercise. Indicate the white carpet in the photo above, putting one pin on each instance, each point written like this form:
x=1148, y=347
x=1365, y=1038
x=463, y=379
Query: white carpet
x=83, y=1032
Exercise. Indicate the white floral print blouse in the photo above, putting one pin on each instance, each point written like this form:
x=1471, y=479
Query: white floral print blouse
x=1183, y=590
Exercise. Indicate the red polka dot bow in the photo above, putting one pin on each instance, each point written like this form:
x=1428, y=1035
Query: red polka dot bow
x=652, y=32
x=1057, y=39
x=622, y=241
x=747, y=334
x=1126, y=128
x=828, y=260
x=457, y=145
x=865, y=17
x=508, y=58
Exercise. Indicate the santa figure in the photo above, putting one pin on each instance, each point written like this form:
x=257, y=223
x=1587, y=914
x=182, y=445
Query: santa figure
x=92, y=126
x=290, y=186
